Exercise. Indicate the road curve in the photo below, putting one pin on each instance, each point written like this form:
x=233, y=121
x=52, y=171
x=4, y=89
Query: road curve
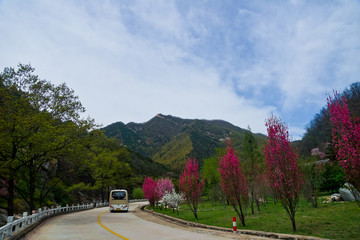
x=99, y=223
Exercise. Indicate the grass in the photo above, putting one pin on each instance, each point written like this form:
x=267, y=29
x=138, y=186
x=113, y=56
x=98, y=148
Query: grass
x=330, y=220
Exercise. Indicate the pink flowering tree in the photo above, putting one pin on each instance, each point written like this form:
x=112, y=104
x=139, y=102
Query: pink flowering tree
x=191, y=186
x=233, y=182
x=346, y=138
x=283, y=173
x=149, y=189
x=316, y=152
x=164, y=185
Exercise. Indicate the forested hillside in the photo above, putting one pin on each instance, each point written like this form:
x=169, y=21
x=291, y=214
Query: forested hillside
x=171, y=140
x=318, y=131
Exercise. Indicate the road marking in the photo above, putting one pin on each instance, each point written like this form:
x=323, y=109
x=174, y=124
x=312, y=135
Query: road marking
x=116, y=234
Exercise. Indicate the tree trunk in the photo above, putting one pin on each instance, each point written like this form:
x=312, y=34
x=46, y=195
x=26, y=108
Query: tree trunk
x=252, y=203
x=11, y=196
x=293, y=221
x=194, y=210
x=195, y=214
x=258, y=204
x=241, y=216
x=102, y=194
x=31, y=191
x=11, y=182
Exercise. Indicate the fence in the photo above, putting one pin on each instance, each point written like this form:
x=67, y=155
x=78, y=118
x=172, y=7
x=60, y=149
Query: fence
x=13, y=227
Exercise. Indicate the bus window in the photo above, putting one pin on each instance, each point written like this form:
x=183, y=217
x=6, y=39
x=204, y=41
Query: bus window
x=118, y=195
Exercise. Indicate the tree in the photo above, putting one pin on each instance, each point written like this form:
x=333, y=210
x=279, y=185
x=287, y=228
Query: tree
x=191, y=186
x=163, y=186
x=332, y=177
x=252, y=166
x=346, y=137
x=210, y=170
x=149, y=189
x=312, y=181
x=211, y=176
x=138, y=193
x=105, y=164
x=38, y=122
x=172, y=199
x=283, y=172
x=12, y=135
x=233, y=182
x=261, y=189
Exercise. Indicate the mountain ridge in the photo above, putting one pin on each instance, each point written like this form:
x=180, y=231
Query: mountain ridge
x=171, y=140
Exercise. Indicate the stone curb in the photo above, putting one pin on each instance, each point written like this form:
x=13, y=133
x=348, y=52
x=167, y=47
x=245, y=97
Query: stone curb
x=247, y=232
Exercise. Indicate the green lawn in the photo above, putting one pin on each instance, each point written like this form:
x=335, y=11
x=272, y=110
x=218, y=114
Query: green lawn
x=330, y=220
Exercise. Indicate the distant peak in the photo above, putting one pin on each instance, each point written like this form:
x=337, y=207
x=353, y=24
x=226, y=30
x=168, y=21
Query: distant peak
x=168, y=117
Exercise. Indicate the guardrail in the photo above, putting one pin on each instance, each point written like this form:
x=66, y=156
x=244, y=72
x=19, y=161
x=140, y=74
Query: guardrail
x=137, y=200
x=13, y=227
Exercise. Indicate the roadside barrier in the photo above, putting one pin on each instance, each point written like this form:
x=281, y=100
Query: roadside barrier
x=138, y=200
x=13, y=227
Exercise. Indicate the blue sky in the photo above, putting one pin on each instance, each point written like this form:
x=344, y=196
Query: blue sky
x=232, y=60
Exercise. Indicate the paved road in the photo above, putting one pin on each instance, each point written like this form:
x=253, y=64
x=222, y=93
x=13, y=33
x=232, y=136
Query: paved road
x=101, y=224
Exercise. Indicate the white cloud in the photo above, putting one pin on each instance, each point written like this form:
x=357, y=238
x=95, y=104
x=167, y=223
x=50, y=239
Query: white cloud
x=303, y=51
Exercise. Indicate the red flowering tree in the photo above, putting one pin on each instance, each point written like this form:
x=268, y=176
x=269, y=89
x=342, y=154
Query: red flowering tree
x=191, y=186
x=149, y=189
x=346, y=137
x=233, y=182
x=283, y=173
x=163, y=185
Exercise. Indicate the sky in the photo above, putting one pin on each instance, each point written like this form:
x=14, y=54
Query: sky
x=238, y=61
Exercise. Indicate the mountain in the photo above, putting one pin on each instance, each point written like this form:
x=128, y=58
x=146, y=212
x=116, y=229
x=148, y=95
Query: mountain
x=318, y=131
x=172, y=140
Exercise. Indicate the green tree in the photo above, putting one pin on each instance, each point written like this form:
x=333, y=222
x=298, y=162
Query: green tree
x=106, y=165
x=333, y=177
x=211, y=175
x=252, y=167
x=13, y=112
x=138, y=193
x=39, y=121
x=312, y=171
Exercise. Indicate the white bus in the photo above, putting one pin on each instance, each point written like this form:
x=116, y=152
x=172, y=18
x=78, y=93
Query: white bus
x=118, y=201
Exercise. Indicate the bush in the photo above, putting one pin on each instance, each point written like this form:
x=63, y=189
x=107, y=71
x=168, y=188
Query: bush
x=333, y=177
x=138, y=193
